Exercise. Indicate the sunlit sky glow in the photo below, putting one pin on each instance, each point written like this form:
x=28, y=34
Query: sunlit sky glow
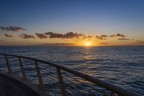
x=72, y=22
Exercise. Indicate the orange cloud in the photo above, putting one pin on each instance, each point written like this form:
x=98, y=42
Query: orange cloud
x=140, y=42
x=26, y=36
x=104, y=43
x=123, y=39
x=8, y=35
x=41, y=36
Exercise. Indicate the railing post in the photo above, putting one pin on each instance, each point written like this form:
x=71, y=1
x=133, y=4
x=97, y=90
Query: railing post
x=113, y=94
x=22, y=69
x=8, y=65
x=39, y=75
x=60, y=78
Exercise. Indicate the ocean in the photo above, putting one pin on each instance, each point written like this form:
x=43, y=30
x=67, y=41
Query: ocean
x=122, y=66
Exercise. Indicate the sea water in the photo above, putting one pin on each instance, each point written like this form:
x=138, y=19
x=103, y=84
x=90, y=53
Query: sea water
x=122, y=66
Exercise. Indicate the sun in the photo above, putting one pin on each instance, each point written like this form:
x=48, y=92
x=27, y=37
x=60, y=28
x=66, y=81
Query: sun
x=88, y=43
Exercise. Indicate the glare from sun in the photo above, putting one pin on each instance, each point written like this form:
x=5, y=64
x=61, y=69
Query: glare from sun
x=88, y=43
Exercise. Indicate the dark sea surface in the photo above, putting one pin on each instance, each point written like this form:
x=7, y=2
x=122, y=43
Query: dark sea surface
x=122, y=66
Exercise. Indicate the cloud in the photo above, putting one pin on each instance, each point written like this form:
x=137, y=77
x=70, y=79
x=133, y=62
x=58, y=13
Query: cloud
x=118, y=35
x=112, y=35
x=104, y=43
x=63, y=36
x=58, y=44
x=140, y=42
x=73, y=35
x=54, y=35
x=26, y=36
x=8, y=35
x=87, y=37
x=11, y=28
x=41, y=36
x=103, y=36
x=99, y=38
x=123, y=39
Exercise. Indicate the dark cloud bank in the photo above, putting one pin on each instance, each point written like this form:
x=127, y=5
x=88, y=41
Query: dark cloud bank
x=26, y=36
x=11, y=28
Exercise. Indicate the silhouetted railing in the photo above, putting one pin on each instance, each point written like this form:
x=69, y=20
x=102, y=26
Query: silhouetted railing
x=58, y=80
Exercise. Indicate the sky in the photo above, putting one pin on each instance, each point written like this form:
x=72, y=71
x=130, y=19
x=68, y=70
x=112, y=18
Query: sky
x=72, y=22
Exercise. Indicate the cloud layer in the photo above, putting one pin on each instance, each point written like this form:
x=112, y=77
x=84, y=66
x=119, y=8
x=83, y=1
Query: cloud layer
x=41, y=36
x=8, y=35
x=26, y=36
x=139, y=42
x=67, y=35
x=118, y=35
x=73, y=35
x=123, y=39
x=11, y=28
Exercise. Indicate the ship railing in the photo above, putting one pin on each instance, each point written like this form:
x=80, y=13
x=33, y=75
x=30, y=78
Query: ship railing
x=58, y=80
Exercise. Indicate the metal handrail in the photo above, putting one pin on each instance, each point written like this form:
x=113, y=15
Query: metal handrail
x=114, y=89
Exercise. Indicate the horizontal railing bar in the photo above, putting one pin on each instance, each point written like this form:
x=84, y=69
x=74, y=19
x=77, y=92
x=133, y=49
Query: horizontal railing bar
x=99, y=82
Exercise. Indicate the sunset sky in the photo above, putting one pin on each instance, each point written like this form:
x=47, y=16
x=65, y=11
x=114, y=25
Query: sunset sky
x=72, y=22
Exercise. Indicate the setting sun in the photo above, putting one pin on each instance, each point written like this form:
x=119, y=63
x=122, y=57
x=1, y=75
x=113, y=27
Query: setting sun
x=88, y=43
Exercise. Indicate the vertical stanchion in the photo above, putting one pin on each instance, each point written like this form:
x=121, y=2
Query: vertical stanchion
x=22, y=68
x=39, y=75
x=8, y=65
x=113, y=94
x=60, y=78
